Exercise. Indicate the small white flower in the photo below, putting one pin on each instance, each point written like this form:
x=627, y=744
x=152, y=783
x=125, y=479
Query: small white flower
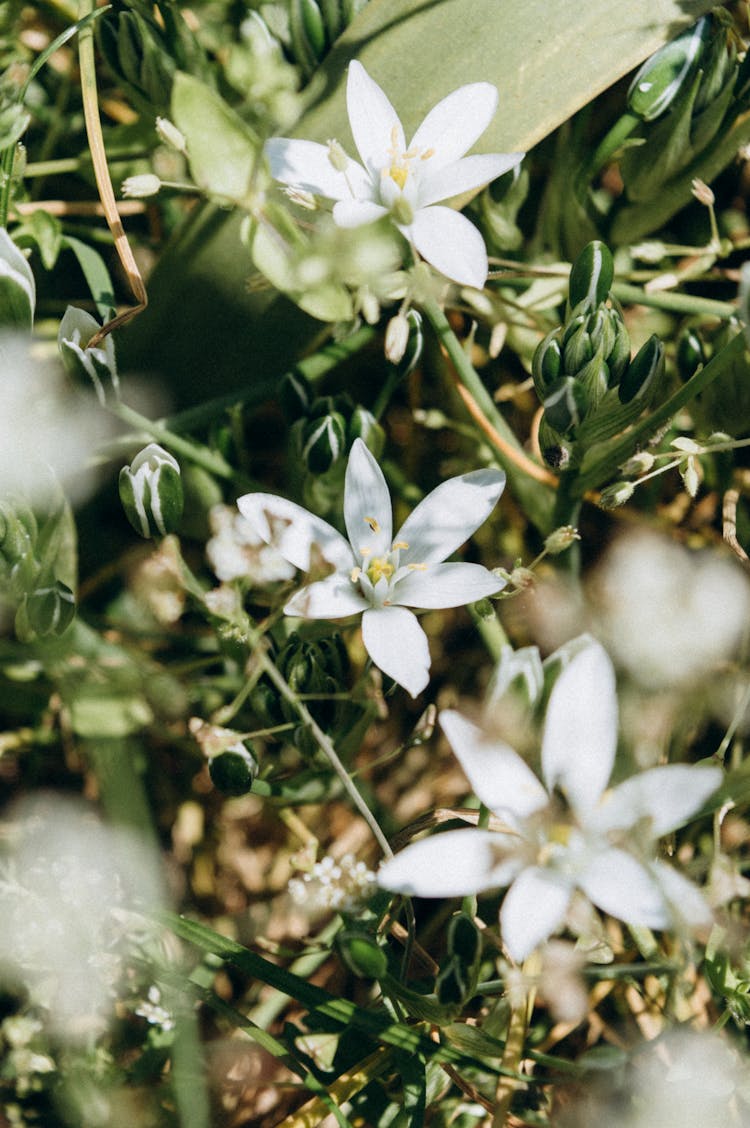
x=376, y=574
x=405, y=181
x=550, y=850
x=236, y=552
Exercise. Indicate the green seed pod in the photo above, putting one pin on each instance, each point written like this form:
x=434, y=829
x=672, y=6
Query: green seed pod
x=234, y=770
x=151, y=492
x=668, y=71
x=51, y=610
x=464, y=939
x=324, y=442
x=690, y=353
x=295, y=395
x=618, y=357
x=363, y=425
x=546, y=364
x=565, y=405
x=362, y=954
x=645, y=372
x=592, y=275
x=265, y=703
x=451, y=986
x=17, y=287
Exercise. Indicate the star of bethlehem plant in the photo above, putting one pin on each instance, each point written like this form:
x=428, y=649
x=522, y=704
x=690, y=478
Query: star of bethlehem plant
x=377, y=574
x=568, y=831
x=407, y=182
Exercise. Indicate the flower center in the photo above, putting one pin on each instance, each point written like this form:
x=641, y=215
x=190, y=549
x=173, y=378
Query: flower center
x=379, y=567
x=401, y=162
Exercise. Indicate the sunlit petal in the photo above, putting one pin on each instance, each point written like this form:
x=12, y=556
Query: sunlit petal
x=398, y=646
x=533, y=908
x=449, y=515
x=293, y=531
x=306, y=164
x=446, y=585
x=685, y=900
x=456, y=863
x=619, y=885
x=667, y=796
x=355, y=213
x=451, y=243
x=455, y=123
x=367, y=504
x=497, y=774
x=580, y=732
x=464, y=175
x=335, y=597
x=374, y=123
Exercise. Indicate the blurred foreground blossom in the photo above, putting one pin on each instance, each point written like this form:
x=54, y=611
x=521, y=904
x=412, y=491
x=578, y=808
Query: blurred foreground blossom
x=667, y=614
x=683, y=1078
x=68, y=887
x=343, y=885
x=544, y=850
x=235, y=551
x=405, y=182
x=48, y=430
x=377, y=574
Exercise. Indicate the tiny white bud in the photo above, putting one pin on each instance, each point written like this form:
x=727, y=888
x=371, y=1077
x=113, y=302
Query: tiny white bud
x=171, y=135
x=686, y=445
x=560, y=539
x=136, y=187
x=337, y=156
x=396, y=338
x=703, y=193
x=369, y=305
x=616, y=494
x=691, y=474
x=301, y=197
x=640, y=463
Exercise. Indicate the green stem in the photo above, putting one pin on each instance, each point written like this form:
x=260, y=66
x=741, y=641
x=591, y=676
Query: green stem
x=596, y=470
x=674, y=303
x=610, y=143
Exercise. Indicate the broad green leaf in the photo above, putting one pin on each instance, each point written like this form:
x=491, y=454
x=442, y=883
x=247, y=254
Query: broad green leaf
x=95, y=272
x=222, y=149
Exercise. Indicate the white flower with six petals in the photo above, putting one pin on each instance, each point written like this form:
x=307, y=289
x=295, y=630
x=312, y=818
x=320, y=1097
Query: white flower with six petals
x=406, y=181
x=598, y=842
x=376, y=574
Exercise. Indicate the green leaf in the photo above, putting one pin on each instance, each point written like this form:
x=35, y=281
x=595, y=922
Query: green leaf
x=45, y=231
x=95, y=272
x=222, y=149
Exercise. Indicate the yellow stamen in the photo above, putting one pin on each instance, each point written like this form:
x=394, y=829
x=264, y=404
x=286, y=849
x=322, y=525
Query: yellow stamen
x=373, y=523
x=417, y=567
x=365, y=551
x=399, y=174
x=399, y=544
x=380, y=568
x=425, y=156
x=355, y=574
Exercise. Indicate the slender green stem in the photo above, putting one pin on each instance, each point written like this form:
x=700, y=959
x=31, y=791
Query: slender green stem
x=610, y=143
x=674, y=303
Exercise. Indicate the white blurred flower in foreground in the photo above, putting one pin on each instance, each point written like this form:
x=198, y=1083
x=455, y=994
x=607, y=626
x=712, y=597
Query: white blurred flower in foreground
x=669, y=615
x=376, y=574
x=235, y=551
x=64, y=886
x=48, y=430
x=405, y=181
x=598, y=842
x=343, y=885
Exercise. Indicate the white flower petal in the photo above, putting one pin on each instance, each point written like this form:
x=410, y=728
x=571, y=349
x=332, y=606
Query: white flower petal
x=293, y=531
x=497, y=774
x=455, y=123
x=356, y=213
x=445, y=585
x=619, y=885
x=367, y=504
x=452, y=244
x=374, y=123
x=580, y=731
x=456, y=863
x=685, y=899
x=306, y=164
x=397, y=644
x=667, y=795
x=449, y=515
x=335, y=597
x=463, y=176
x=533, y=908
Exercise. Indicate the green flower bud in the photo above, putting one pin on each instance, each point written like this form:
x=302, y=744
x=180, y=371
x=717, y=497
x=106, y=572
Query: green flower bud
x=451, y=986
x=308, y=34
x=644, y=373
x=51, y=610
x=546, y=364
x=579, y=350
x=555, y=451
x=414, y=345
x=324, y=442
x=295, y=395
x=565, y=405
x=233, y=771
x=151, y=492
x=363, y=425
x=618, y=356
x=99, y=364
x=464, y=940
x=667, y=72
x=592, y=275
x=691, y=353
x=561, y=539
x=362, y=954
x=266, y=705
x=594, y=379
x=616, y=494
x=17, y=287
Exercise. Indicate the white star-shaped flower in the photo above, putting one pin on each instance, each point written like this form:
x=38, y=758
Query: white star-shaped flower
x=406, y=181
x=598, y=841
x=376, y=574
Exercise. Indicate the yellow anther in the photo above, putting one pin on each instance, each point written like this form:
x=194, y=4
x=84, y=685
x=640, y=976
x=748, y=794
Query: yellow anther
x=417, y=567
x=355, y=574
x=425, y=156
x=373, y=523
x=400, y=544
x=399, y=174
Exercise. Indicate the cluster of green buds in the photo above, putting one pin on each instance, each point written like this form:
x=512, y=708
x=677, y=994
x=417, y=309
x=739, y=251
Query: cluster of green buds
x=686, y=95
x=324, y=427
x=314, y=26
x=582, y=370
x=151, y=492
x=44, y=605
x=17, y=287
x=315, y=670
